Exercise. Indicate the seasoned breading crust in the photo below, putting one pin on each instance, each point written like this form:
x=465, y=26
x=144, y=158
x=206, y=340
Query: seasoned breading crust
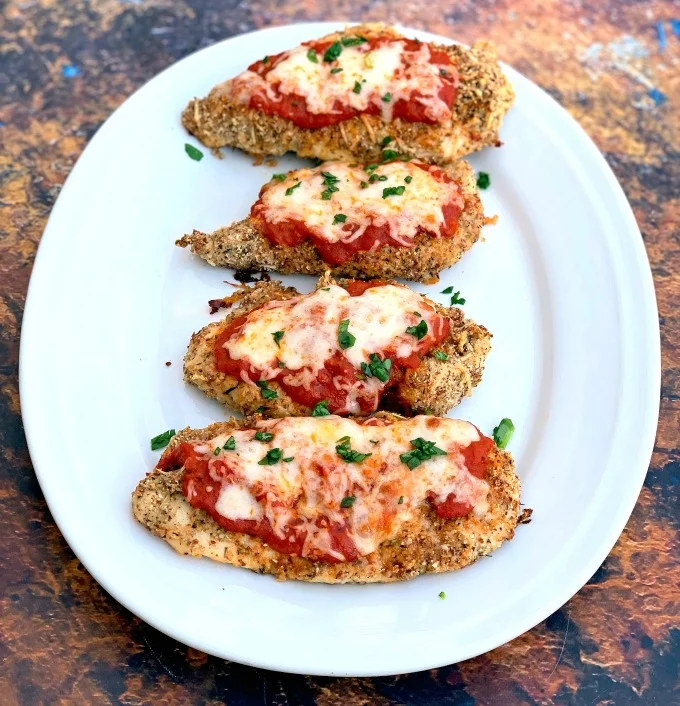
x=243, y=246
x=427, y=545
x=435, y=387
x=483, y=97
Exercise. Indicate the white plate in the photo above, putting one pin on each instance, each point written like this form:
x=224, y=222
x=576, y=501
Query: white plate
x=562, y=281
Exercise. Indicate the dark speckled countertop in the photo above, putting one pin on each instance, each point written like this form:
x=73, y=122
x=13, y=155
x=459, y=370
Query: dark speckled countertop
x=64, y=67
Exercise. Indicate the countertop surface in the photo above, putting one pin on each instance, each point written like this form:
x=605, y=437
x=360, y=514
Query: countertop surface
x=64, y=67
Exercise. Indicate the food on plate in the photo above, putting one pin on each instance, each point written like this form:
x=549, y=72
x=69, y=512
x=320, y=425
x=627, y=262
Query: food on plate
x=331, y=499
x=341, y=96
x=350, y=347
x=394, y=219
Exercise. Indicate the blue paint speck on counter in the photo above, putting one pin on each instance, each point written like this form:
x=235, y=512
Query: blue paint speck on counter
x=675, y=27
x=70, y=71
x=661, y=35
x=657, y=96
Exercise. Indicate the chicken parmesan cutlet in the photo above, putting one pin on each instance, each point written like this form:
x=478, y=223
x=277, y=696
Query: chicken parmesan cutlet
x=348, y=348
x=333, y=500
x=394, y=219
x=341, y=96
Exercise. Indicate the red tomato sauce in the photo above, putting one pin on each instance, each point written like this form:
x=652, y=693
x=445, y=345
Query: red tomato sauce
x=336, y=368
x=292, y=232
x=293, y=107
x=202, y=472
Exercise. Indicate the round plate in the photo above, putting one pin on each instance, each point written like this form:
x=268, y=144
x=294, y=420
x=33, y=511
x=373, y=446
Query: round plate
x=562, y=281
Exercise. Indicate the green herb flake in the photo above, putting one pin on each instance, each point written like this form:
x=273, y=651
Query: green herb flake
x=408, y=179
x=357, y=87
x=363, y=184
x=373, y=178
x=345, y=338
x=377, y=368
x=418, y=314
x=288, y=459
x=265, y=60
x=216, y=452
x=281, y=364
x=291, y=189
x=422, y=451
x=401, y=500
x=271, y=457
x=440, y=355
x=353, y=41
x=348, y=501
x=387, y=155
x=483, y=180
x=442, y=595
x=457, y=299
x=503, y=432
x=325, y=289
x=320, y=409
x=443, y=72
x=194, y=153
x=393, y=191
x=333, y=52
x=229, y=444
x=448, y=290
x=279, y=177
x=339, y=218
x=419, y=331
x=266, y=391
x=263, y=436
x=311, y=55
x=277, y=336
x=336, y=70
x=386, y=141
x=162, y=440
x=387, y=98
x=344, y=449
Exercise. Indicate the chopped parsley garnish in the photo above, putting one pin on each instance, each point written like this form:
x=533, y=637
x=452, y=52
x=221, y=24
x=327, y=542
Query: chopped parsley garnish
x=266, y=391
x=229, y=444
x=357, y=87
x=371, y=167
x=320, y=409
x=418, y=314
x=271, y=457
x=336, y=70
x=162, y=440
x=345, y=338
x=333, y=52
x=291, y=189
x=483, y=180
x=279, y=177
x=311, y=55
x=387, y=98
x=440, y=355
x=401, y=500
x=217, y=450
x=278, y=335
x=263, y=436
x=363, y=184
x=418, y=331
x=422, y=451
x=339, y=218
x=386, y=141
x=442, y=595
x=503, y=432
x=265, y=60
x=347, y=453
x=325, y=289
x=352, y=41
x=329, y=181
x=348, y=501
x=393, y=191
x=389, y=154
x=194, y=153
x=457, y=299
x=288, y=459
x=408, y=179
x=377, y=368
x=448, y=290
x=281, y=364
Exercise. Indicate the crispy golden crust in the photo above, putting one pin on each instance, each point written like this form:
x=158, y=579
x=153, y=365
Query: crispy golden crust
x=484, y=96
x=427, y=545
x=244, y=247
x=435, y=387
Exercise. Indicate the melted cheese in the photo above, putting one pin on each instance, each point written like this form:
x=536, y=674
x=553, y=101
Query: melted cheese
x=378, y=320
x=297, y=493
x=387, y=69
x=420, y=206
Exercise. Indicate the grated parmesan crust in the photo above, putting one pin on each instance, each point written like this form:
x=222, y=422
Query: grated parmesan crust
x=428, y=545
x=243, y=246
x=434, y=387
x=483, y=97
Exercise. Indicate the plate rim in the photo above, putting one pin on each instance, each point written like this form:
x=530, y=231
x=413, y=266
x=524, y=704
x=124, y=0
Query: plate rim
x=651, y=336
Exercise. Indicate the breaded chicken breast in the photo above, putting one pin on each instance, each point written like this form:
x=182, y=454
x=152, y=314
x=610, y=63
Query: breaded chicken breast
x=280, y=353
x=341, y=96
x=333, y=500
x=395, y=219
